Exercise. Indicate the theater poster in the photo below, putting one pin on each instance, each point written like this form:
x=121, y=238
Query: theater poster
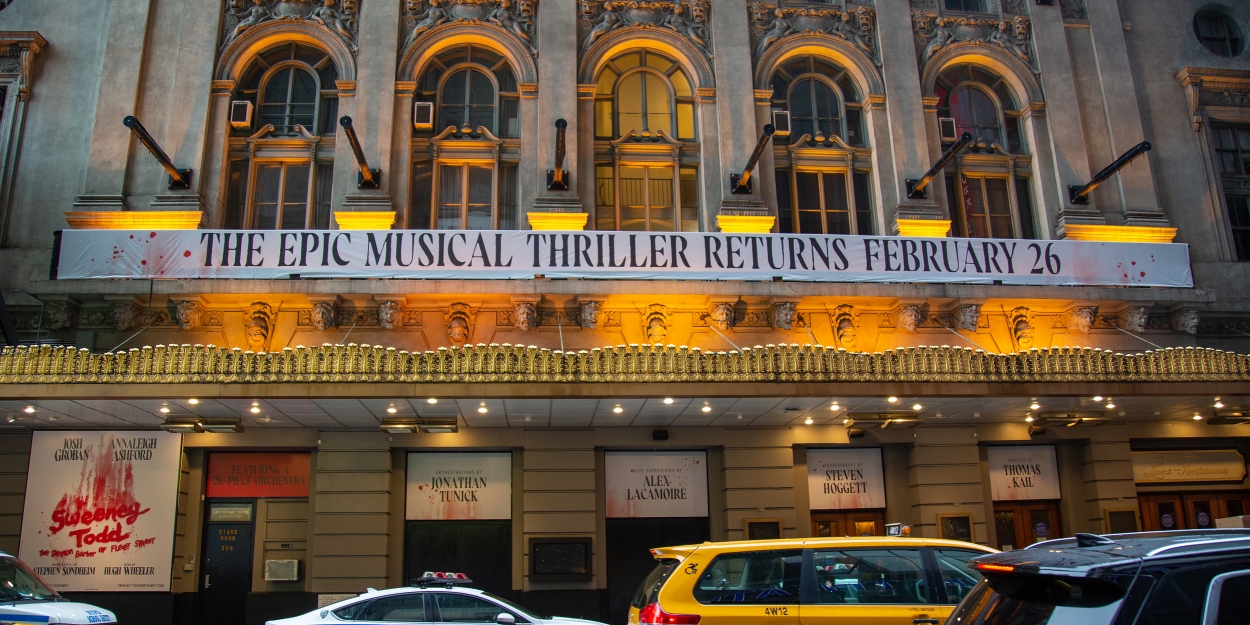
x=452, y=486
x=100, y=510
x=649, y=484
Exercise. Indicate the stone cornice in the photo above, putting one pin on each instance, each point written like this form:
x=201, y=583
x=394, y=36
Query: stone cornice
x=182, y=364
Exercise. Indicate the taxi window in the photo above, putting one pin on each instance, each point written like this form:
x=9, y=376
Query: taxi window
x=870, y=576
x=408, y=607
x=957, y=578
x=755, y=577
x=457, y=608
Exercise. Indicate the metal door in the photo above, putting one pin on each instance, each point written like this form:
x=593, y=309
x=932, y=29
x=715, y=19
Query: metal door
x=226, y=574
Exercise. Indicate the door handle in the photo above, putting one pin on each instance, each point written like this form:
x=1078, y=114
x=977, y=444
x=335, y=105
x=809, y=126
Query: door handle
x=206, y=585
x=921, y=619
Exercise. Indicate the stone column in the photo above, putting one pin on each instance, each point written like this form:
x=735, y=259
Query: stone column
x=759, y=482
x=711, y=170
x=372, y=111
x=1067, y=159
x=1108, y=473
x=945, y=478
x=401, y=153
x=351, y=512
x=560, y=499
x=557, y=99
x=885, y=191
x=215, y=144
x=1124, y=121
x=735, y=110
x=126, y=35
x=585, y=138
x=905, y=112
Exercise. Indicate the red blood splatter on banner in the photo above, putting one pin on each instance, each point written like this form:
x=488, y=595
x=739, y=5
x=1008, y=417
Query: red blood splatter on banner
x=143, y=262
x=186, y=254
x=151, y=236
x=104, y=496
x=1143, y=274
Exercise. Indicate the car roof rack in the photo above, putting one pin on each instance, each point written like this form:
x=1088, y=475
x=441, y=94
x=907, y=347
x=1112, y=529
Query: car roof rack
x=449, y=580
x=1092, y=540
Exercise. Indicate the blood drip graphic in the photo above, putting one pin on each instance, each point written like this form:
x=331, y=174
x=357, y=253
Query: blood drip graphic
x=103, y=498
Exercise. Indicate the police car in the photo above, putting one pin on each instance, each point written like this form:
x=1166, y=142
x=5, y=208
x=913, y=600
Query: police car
x=25, y=599
x=433, y=598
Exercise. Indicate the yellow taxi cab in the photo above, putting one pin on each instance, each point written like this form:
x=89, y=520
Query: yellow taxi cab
x=874, y=580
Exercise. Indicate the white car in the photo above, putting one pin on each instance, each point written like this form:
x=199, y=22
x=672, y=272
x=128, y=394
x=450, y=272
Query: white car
x=25, y=599
x=431, y=602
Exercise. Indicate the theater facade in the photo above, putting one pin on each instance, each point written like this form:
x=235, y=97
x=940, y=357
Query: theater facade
x=303, y=298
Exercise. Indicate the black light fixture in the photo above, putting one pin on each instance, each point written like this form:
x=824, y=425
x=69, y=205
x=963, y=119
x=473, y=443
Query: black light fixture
x=1080, y=195
x=740, y=184
x=659, y=434
x=558, y=178
x=368, y=178
x=178, y=178
x=916, y=188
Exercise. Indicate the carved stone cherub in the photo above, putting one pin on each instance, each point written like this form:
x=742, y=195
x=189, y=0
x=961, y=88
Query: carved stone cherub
x=606, y=22
x=432, y=17
x=938, y=40
x=780, y=28
x=255, y=15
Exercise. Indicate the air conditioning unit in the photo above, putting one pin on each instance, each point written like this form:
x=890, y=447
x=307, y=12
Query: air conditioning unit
x=946, y=126
x=241, y=114
x=781, y=123
x=423, y=115
x=281, y=570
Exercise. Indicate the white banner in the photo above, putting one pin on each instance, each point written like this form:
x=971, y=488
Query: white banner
x=522, y=254
x=655, y=483
x=845, y=479
x=459, y=486
x=100, y=510
x=1023, y=473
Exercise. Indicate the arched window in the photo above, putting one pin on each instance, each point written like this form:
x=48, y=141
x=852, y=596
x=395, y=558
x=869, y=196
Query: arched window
x=643, y=91
x=647, y=176
x=989, y=195
x=822, y=186
x=463, y=178
x=284, y=179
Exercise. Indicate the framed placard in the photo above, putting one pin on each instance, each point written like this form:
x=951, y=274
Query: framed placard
x=845, y=479
x=955, y=526
x=258, y=474
x=761, y=529
x=1120, y=520
x=562, y=559
x=1023, y=472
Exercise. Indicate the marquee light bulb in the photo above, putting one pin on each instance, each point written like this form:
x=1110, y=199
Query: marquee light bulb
x=917, y=407
x=808, y=421
x=707, y=409
x=835, y=407
x=482, y=409
x=29, y=410
x=892, y=399
x=431, y=400
x=255, y=409
x=391, y=410
x=1034, y=406
x=668, y=400
x=618, y=410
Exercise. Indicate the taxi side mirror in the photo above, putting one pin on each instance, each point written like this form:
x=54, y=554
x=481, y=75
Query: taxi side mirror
x=505, y=619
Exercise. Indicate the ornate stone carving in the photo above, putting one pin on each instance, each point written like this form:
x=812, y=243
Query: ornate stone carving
x=1134, y=318
x=336, y=16
x=846, y=326
x=909, y=317
x=515, y=17
x=190, y=314
x=655, y=323
x=459, y=319
x=324, y=315
x=687, y=18
x=60, y=315
x=1185, y=320
x=525, y=316
x=784, y=314
x=935, y=33
x=589, y=314
x=1072, y=9
x=1021, y=322
x=1082, y=318
x=772, y=24
x=1213, y=87
x=968, y=317
x=258, y=325
x=390, y=314
x=721, y=316
x=124, y=315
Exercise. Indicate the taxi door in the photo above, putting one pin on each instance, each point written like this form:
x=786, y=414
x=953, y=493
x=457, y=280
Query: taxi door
x=869, y=585
x=758, y=587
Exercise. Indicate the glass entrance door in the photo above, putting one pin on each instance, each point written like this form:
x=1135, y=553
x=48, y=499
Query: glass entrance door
x=832, y=523
x=1019, y=525
x=1175, y=511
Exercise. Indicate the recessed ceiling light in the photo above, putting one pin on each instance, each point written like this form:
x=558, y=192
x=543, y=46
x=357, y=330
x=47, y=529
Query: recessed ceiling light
x=193, y=401
x=917, y=407
x=1028, y=419
x=976, y=415
x=482, y=409
x=668, y=400
x=1110, y=405
x=164, y=410
x=891, y=399
x=268, y=419
x=1197, y=417
x=808, y=421
x=618, y=410
x=707, y=409
x=1219, y=404
x=1034, y=406
x=52, y=418
x=529, y=418
x=739, y=416
x=431, y=400
x=391, y=410
x=29, y=410
x=255, y=409
x=846, y=420
x=835, y=407
x=1097, y=397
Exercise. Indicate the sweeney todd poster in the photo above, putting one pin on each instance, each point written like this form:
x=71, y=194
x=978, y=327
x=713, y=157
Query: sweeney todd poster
x=100, y=510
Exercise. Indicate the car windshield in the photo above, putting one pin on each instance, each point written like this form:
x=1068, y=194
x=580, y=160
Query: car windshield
x=1039, y=600
x=528, y=614
x=19, y=583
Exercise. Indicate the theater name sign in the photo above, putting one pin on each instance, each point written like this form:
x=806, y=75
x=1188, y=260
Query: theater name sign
x=524, y=254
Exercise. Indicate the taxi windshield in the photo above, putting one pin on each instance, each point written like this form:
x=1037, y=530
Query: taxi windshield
x=19, y=583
